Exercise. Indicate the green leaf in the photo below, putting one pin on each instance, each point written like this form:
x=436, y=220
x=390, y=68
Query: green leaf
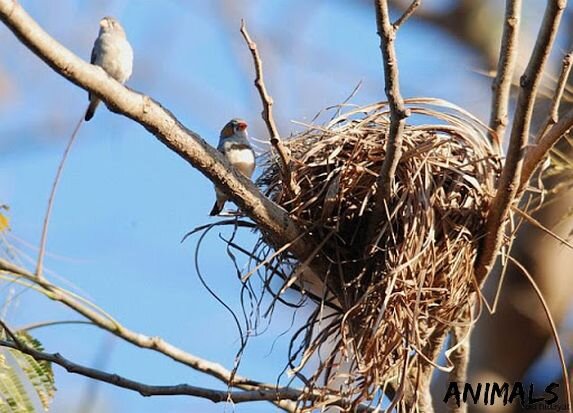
x=24, y=377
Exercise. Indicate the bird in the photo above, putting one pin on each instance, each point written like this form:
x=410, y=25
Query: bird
x=234, y=145
x=113, y=53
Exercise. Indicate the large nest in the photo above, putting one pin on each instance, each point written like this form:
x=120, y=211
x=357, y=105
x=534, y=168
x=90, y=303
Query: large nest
x=394, y=280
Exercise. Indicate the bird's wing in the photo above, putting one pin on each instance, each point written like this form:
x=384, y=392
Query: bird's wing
x=94, y=54
x=221, y=146
x=95, y=50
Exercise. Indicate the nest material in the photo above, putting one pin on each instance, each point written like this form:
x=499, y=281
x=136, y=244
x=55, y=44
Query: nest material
x=408, y=274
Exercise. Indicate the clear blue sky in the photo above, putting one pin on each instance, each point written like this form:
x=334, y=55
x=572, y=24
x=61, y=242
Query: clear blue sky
x=125, y=200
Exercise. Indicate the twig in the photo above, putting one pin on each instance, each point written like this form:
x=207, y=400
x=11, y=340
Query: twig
x=511, y=175
x=542, y=227
x=501, y=86
x=537, y=153
x=398, y=110
x=267, y=115
x=554, y=330
x=270, y=217
x=216, y=396
x=553, y=115
x=44, y=237
x=42, y=324
x=398, y=114
x=407, y=14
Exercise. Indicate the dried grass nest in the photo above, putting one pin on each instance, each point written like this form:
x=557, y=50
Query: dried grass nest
x=383, y=304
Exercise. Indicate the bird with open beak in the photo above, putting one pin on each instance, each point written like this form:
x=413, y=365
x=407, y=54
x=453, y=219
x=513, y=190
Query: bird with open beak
x=113, y=53
x=234, y=145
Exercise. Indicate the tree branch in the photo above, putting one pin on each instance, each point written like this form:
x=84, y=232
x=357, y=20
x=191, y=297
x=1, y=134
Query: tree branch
x=267, y=115
x=501, y=86
x=271, y=218
x=536, y=153
x=407, y=14
x=147, y=390
x=140, y=340
x=398, y=115
x=553, y=115
x=398, y=110
x=511, y=175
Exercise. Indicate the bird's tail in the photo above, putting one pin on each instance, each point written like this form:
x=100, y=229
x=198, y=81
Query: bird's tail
x=217, y=208
x=91, y=108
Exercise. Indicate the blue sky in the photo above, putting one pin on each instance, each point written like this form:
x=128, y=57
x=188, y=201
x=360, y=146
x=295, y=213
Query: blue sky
x=125, y=201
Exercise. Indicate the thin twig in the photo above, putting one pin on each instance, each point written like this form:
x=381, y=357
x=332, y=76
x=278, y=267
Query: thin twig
x=553, y=116
x=398, y=110
x=267, y=115
x=44, y=238
x=541, y=227
x=554, y=330
x=511, y=175
x=407, y=14
x=398, y=114
x=537, y=153
x=501, y=86
x=216, y=396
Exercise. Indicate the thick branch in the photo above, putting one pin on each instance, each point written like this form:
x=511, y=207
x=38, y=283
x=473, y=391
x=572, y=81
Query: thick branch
x=215, y=396
x=267, y=114
x=511, y=175
x=501, y=86
x=271, y=218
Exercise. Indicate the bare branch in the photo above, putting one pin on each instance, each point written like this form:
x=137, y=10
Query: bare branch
x=271, y=218
x=501, y=86
x=267, y=115
x=511, y=175
x=216, y=396
x=407, y=14
x=398, y=110
x=537, y=153
x=553, y=115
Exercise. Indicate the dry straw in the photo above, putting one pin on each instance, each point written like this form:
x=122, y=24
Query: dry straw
x=381, y=298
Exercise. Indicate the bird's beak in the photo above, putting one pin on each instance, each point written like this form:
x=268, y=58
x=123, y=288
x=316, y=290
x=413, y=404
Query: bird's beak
x=242, y=126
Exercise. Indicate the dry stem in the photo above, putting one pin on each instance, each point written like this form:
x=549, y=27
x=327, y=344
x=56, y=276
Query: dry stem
x=51, y=199
x=553, y=115
x=511, y=175
x=501, y=86
x=267, y=115
x=398, y=110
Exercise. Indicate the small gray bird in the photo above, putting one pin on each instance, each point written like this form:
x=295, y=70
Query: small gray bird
x=113, y=53
x=234, y=144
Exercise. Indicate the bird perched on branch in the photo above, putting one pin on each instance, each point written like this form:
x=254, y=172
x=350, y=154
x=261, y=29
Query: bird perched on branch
x=113, y=53
x=234, y=145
